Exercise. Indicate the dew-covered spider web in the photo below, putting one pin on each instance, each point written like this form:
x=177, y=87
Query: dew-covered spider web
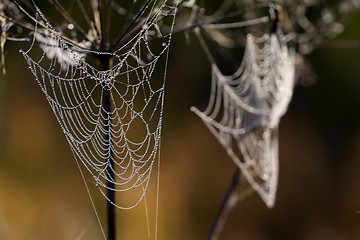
x=111, y=117
x=245, y=108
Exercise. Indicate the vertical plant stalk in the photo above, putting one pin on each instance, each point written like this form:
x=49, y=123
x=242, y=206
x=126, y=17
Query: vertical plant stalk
x=110, y=193
x=228, y=203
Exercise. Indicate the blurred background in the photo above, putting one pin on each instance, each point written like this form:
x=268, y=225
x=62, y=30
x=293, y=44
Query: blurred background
x=42, y=195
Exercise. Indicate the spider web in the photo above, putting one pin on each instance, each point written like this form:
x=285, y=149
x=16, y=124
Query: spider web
x=245, y=108
x=117, y=141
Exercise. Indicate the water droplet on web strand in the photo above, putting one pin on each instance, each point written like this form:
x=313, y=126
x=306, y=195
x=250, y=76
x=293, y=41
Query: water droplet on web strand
x=71, y=26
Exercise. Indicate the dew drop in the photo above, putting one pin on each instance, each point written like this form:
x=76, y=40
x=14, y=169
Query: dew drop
x=71, y=26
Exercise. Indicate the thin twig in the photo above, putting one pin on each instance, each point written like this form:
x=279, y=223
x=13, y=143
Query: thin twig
x=124, y=19
x=94, y=28
x=40, y=24
x=188, y=28
x=141, y=24
x=97, y=18
x=68, y=17
x=84, y=13
x=16, y=22
x=228, y=203
x=133, y=21
x=108, y=23
x=220, y=19
x=94, y=7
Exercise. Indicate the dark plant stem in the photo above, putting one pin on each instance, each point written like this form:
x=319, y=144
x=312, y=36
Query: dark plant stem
x=227, y=204
x=105, y=63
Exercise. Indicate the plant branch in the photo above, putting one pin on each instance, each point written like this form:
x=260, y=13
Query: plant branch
x=94, y=25
x=196, y=25
x=84, y=13
x=228, y=203
x=68, y=17
x=32, y=28
x=108, y=22
x=132, y=22
x=220, y=19
x=125, y=18
x=96, y=6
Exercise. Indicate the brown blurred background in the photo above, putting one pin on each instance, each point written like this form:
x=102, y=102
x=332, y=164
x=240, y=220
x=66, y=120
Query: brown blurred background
x=42, y=195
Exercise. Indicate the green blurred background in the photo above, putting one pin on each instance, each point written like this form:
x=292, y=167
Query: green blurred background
x=42, y=195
